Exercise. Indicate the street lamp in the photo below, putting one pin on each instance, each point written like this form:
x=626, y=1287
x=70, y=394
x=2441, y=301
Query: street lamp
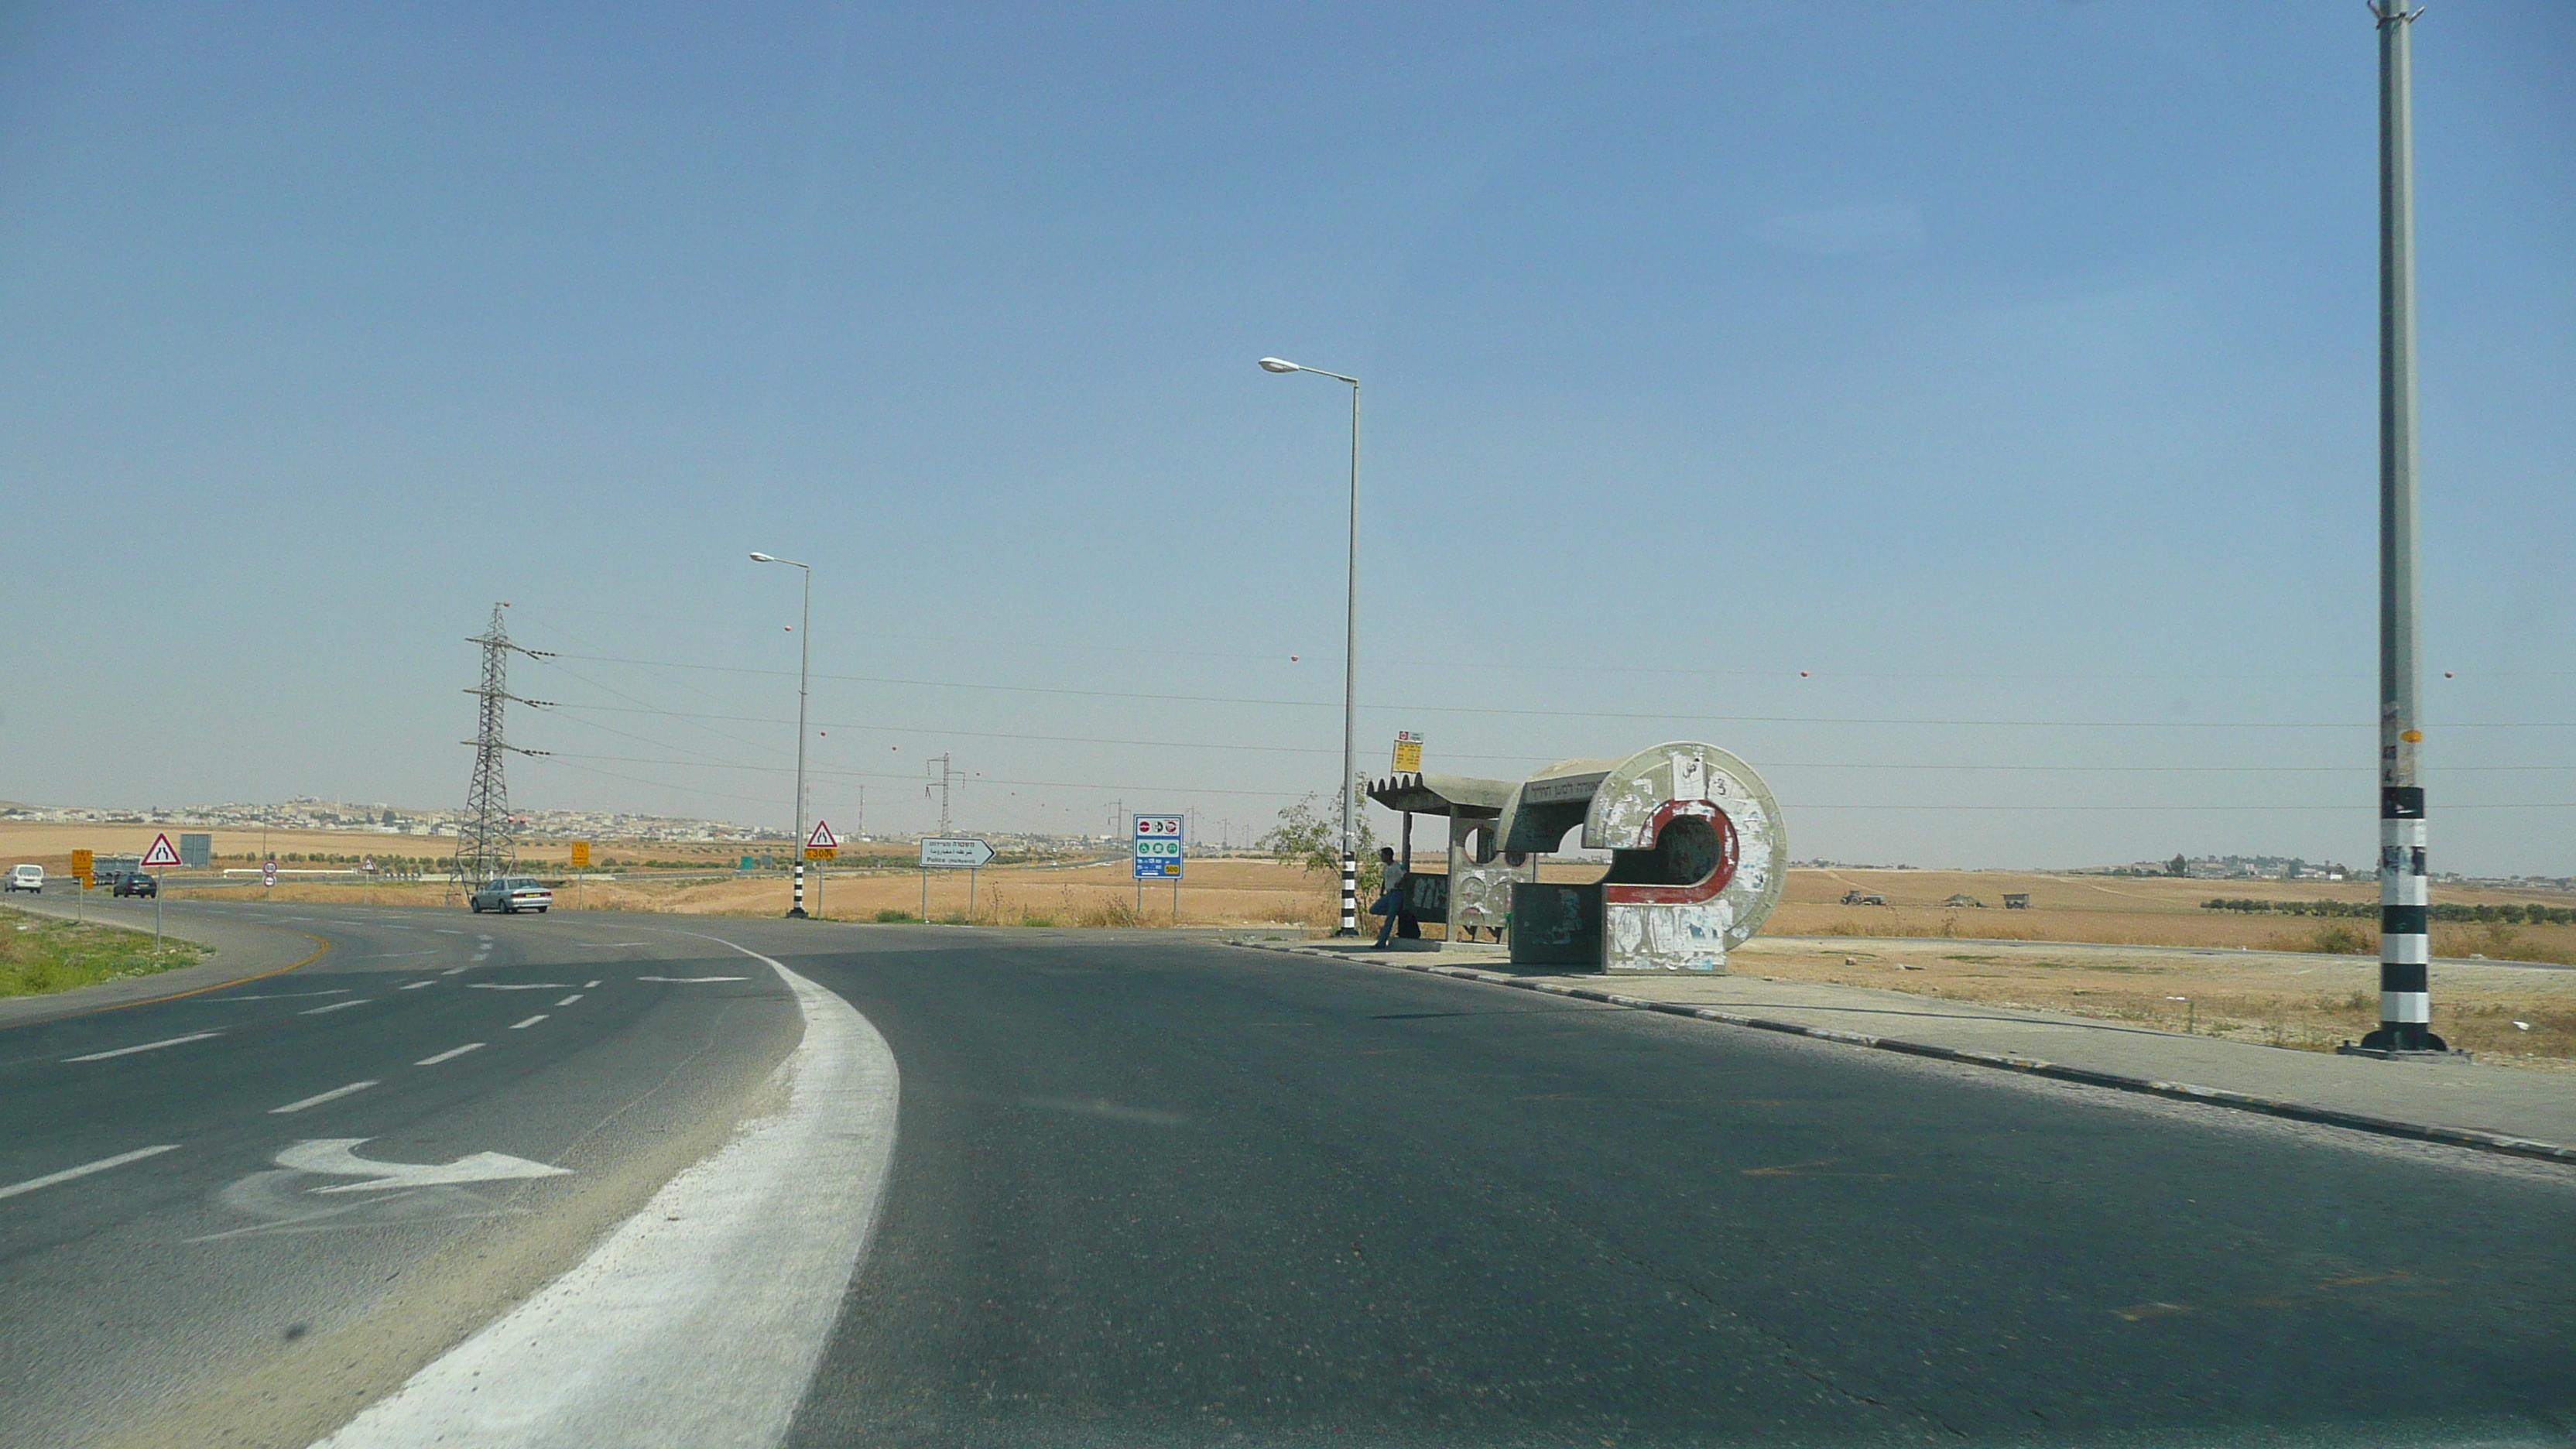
x=1350, y=660
x=804, y=653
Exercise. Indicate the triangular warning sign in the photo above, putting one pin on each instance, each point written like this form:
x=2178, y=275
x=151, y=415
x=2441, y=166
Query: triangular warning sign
x=160, y=853
x=822, y=838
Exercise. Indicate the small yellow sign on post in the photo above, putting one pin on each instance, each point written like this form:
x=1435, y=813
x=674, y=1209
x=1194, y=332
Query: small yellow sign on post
x=1408, y=752
x=84, y=865
x=581, y=855
x=821, y=852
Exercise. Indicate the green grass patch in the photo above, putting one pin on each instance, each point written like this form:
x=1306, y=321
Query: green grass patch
x=39, y=954
x=889, y=916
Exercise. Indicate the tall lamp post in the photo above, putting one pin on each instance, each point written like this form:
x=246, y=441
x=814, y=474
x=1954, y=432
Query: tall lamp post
x=1350, y=660
x=2405, y=955
x=804, y=653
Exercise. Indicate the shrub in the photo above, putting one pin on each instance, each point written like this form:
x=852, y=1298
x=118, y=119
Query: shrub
x=890, y=915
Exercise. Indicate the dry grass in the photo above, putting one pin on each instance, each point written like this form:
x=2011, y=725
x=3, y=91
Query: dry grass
x=2311, y=1003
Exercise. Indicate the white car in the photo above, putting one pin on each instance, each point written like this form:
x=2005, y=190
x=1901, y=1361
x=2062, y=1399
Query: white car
x=511, y=894
x=25, y=878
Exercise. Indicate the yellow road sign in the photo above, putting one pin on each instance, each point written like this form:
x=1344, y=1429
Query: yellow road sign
x=83, y=864
x=1408, y=752
x=822, y=852
x=581, y=855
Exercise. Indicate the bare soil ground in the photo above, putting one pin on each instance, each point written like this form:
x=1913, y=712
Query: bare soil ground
x=2310, y=1002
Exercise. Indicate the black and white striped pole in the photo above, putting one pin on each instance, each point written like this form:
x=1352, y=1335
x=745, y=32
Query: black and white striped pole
x=2405, y=954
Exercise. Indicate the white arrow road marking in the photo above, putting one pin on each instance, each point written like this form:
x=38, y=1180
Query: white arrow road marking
x=332, y=1155
x=531, y=1021
x=449, y=1055
x=85, y=1169
x=681, y=979
x=334, y=1006
x=728, y=1281
x=318, y=1098
x=149, y=1046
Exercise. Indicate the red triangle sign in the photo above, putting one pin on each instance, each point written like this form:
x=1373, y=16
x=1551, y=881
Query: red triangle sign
x=822, y=838
x=161, y=853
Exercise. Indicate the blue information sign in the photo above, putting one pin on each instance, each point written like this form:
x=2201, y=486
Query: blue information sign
x=1158, y=847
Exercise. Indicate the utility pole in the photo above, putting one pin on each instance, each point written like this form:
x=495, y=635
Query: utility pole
x=486, y=845
x=2405, y=955
x=946, y=777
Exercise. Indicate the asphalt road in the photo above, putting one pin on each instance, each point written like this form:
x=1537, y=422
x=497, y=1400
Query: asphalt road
x=209, y=1293
x=1150, y=1191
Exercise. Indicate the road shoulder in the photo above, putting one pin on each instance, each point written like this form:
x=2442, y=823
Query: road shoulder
x=2494, y=1109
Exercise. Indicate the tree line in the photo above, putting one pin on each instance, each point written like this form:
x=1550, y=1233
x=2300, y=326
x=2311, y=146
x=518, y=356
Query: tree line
x=2531, y=914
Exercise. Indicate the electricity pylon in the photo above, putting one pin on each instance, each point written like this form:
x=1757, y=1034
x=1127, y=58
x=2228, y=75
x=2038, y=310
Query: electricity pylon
x=485, y=844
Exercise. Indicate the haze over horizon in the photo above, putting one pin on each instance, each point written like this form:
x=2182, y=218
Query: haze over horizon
x=1966, y=416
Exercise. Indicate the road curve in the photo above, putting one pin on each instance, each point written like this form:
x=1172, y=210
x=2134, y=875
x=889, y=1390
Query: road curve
x=1154, y=1191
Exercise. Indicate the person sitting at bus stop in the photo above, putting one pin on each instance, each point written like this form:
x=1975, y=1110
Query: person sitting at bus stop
x=1391, y=893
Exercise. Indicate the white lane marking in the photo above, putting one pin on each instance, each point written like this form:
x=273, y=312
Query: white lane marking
x=334, y=1006
x=416, y=985
x=85, y=1169
x=675, y=980
x=442, y=930
x=392, y=955
x=282, y=995
x=149, y=1046
x=531, y=1021
x=319, y=1098
x=569, y=1000
x=729, y=1280
x=449, y=1055
x=589, y=985
x=452, y=970
x=516, y=985
x=606, y=945
x=333, y=1155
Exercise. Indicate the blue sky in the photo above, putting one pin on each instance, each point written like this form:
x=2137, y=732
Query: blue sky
x=2008, y=369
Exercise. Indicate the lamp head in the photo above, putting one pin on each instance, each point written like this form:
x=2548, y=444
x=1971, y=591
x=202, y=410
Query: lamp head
x=1279, y=364
x=762, y=558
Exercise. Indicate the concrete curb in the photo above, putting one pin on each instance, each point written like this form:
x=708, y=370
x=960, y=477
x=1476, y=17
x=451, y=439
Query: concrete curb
x=2178, y=1091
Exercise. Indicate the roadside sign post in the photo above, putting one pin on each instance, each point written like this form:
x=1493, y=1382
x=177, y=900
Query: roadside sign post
x=960, y=852
x=1158, y=840
x=84, y=864
x=268, y=871
x=161, y=856
x=821, y=846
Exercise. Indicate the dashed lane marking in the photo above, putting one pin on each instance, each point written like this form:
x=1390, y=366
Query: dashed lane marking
x=676, y=980
x=334, y=1006
x=569, y=1000
x=416, y=985
x=589, y=985
x=449, y=1055
x=516, y=985
x=279, y=995
x=531, y=1021
x=149, y=1046
x=318, y=1098
x=86, y=1168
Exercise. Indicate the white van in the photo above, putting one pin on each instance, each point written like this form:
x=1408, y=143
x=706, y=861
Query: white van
x=25, y=878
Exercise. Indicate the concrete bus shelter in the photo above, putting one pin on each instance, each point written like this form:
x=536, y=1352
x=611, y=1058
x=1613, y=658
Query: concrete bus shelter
x=1697, y=858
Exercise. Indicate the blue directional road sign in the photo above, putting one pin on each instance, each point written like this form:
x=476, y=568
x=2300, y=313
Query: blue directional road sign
x=1158, y=847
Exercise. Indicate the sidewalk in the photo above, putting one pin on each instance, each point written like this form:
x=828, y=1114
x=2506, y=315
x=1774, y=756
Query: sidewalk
x=2500, y=1109
x=241, y=951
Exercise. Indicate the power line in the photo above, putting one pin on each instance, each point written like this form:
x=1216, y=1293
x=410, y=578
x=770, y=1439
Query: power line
x=1686, y=717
